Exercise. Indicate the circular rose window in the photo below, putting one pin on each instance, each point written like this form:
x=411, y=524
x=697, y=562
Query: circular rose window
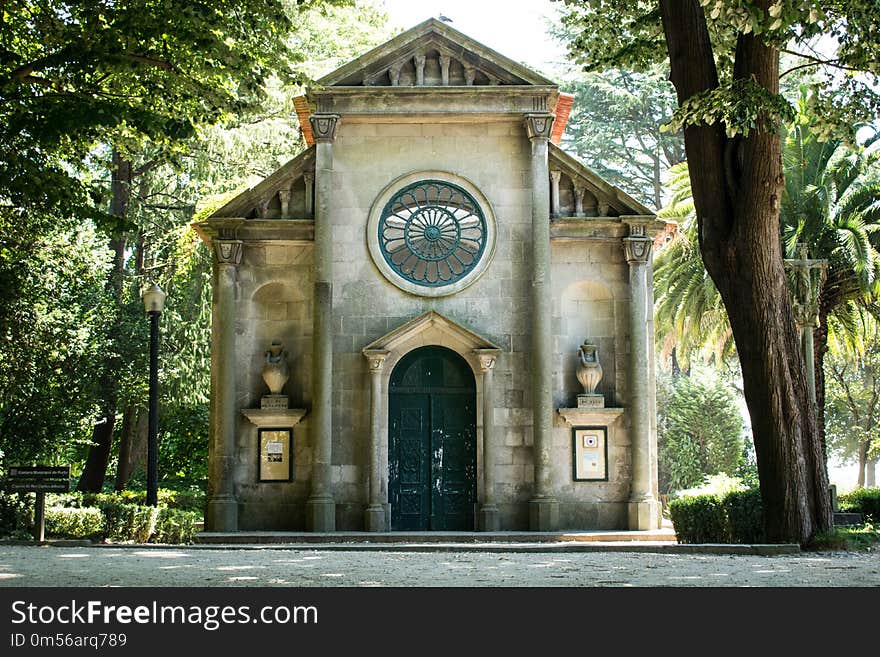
x=431, y=236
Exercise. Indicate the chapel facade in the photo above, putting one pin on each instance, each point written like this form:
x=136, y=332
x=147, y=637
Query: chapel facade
x=433, y=318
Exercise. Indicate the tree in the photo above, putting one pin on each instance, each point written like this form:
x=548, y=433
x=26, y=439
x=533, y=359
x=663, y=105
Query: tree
x=724, y=63
x=853, y=403
x=700, y=431
x=615, y=124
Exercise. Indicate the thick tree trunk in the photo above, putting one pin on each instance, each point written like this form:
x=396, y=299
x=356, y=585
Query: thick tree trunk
x=95, y=469
x=736, y=186
x=123, y=464
x=863, y=463
x=820, y=349
x=871, y=473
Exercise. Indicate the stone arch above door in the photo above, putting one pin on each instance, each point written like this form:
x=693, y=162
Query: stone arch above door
x=382, y=355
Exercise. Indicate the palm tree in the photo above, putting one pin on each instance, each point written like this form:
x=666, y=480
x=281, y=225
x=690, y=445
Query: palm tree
x=831, y=202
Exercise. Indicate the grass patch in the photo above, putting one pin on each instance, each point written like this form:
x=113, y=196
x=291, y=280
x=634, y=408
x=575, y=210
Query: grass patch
x=857, y=538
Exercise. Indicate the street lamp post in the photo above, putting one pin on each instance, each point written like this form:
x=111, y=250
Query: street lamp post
x=154, y=300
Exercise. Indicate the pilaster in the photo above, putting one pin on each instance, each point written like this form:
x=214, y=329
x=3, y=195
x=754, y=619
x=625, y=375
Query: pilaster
x=375, y=514
x=490, y=518
x=222, y=510
x=543, y=507
x=643, y=507
x=320, y=507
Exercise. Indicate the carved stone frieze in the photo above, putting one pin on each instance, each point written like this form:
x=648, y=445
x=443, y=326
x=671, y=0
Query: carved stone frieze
x=228, y=252
x=324, y=126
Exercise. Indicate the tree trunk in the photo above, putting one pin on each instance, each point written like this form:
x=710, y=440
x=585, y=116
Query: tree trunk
x=123, y=465
x=736, y=188
x=95, y=469
x=863, y=462
x=870, y=473
x=820, y=350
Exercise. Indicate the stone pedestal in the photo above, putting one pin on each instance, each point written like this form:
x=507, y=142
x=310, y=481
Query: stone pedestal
x=374, y=518
x=490, y=518
x=591, y=401
x=274, y=402
x=643, y=515
x=543, y=514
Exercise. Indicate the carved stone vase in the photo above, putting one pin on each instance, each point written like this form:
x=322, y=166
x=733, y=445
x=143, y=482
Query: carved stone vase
x=589, y=371
x=276, y=371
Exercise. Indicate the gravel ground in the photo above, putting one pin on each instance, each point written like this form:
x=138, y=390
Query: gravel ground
x=133, y=566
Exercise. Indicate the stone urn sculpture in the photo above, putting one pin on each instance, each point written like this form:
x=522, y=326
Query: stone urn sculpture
x=589, y=374
x=276, y=371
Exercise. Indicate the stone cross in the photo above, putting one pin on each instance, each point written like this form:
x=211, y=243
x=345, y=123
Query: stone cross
x=808, y=275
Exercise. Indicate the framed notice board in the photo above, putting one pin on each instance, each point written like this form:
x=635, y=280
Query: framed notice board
x=590, y=453
x=275, y=455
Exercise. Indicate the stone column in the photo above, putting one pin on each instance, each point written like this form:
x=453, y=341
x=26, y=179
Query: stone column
x=543, y=507
x=643, y=512
x=222, y=512
x=579, y=200
x=284, y=198
x=419, y=63
x=374, y=518
x=444, y=69
x=490, y=519
x=308, y=180
x=554, y=192
x=320, y=507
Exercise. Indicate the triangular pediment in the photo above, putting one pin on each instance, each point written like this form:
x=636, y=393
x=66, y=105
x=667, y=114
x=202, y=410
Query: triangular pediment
x=431, y=328
x=285, y=194
x=599, y=198
x=432, y=54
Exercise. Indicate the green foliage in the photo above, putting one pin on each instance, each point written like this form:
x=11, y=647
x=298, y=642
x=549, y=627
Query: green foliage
x=856, y=538
x=188, y=499
x=617, y=33
x=16, y=515
x=85, y=522
x=128, y=522
x=862, y=500
x=698, y=519
x=51, y=319
x=734, y=517
x=176, y=527
x=699, y=431
x=745, y=516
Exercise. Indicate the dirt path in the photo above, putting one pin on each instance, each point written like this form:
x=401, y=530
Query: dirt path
x=56, y=566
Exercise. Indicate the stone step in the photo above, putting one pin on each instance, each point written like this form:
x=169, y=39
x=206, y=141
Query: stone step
x=384, y=538
x=842, y=519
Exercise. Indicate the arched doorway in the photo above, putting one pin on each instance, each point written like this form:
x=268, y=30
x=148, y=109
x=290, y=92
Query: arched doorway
x=432, y=442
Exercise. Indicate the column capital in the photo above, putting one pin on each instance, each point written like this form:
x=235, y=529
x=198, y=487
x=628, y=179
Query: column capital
x=324, y=126
x=637, y=249
x=228, y=252
x=555, y=175
x=376, y=358
x=486, y=358
x=539, y=125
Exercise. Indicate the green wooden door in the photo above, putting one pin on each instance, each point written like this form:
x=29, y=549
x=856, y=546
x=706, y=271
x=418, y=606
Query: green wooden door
x=432, y=442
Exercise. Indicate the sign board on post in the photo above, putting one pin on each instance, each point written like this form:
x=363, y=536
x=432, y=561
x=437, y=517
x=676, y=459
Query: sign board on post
x=39, y=479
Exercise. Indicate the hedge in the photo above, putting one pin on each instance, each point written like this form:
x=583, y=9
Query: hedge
x=175, y=526
x=128, y=522
x=66, y=522
x=736, y=517
x=862, y=500
x=16, y=515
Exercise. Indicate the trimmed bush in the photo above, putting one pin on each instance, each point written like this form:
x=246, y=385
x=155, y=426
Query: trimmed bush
x=16, y=515
x=129, y=522
x=699, y=519
x=175, y=526
x=70, y=522
x=745, y=516
x=862, y=500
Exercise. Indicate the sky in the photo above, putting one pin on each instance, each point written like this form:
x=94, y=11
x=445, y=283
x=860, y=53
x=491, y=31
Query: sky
x=515, y=28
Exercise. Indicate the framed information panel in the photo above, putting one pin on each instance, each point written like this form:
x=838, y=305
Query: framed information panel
x=275, y=455
x=590, y=453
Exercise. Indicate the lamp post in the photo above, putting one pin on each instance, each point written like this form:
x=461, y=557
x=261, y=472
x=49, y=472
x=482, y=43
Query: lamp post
x=154, y=300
